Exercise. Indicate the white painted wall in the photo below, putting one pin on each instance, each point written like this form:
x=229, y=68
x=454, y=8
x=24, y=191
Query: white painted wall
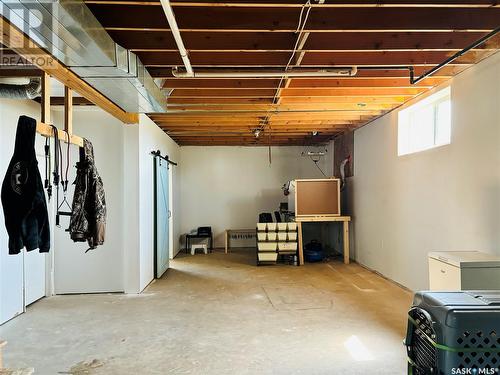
x=151, y=138
x=446, y=198
x=227, y=187
x=11, y=266
x=131, y=221
x=99, y=270
x=125, y=261
x=140, y=140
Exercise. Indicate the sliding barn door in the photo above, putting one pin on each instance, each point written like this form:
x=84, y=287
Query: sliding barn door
x=162, y=216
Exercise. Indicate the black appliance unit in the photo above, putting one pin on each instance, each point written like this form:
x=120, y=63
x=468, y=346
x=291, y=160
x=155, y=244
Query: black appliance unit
x=454, y=333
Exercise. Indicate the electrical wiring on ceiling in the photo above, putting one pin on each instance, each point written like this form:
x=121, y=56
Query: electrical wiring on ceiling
x=300, y=30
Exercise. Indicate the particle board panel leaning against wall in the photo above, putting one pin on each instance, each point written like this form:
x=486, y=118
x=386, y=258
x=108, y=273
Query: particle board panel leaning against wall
x=320, y=197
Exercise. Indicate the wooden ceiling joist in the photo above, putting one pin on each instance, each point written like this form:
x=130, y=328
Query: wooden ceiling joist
x=311, y=59
x=254, y=41
x=322, y=19
x=255, y=35
x=299, y=3
x=281, y=108
x=397, y=99
x=306, y=83
x=446, y=72
x=263, y=93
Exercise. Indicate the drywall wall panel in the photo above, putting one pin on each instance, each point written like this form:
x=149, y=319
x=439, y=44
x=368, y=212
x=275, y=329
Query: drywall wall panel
x=131, y=221
x=101, y=269
x=11, y=266
x=444, y=199
x=152, y=138
x=227, y=187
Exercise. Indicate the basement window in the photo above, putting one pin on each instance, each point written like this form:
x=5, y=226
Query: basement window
x=426, y=124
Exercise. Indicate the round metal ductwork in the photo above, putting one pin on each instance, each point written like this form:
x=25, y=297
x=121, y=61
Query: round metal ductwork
x=30, y=90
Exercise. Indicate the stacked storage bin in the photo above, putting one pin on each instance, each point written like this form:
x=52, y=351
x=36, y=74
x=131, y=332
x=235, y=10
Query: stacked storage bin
x=266, y=243
x=274, y=239
x=287, y=238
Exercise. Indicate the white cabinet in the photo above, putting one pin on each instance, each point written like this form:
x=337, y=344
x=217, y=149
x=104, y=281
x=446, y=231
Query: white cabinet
x=463, y=270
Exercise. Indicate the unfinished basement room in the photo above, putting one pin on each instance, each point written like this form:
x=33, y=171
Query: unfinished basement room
x=250, y=187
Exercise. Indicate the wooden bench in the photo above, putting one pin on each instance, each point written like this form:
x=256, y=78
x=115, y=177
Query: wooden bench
x=227, y=235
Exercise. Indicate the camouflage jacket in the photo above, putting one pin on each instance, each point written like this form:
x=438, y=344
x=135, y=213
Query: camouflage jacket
x=88, y=219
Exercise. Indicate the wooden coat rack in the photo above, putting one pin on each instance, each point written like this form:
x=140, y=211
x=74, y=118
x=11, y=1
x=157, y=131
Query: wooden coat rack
x=44, y=127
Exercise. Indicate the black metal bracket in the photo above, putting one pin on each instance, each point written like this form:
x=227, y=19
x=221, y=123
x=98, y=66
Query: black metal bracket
x=414, y=80
x=157, y=154
x=449, y=60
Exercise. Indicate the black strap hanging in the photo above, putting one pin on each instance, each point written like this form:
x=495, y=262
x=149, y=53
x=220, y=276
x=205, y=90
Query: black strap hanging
x=47, y=183
x=58, y=176
x=64, y=184
x=68, y=161
x=55, y=173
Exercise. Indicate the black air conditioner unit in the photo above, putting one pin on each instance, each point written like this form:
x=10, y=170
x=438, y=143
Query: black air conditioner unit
x=454, y=333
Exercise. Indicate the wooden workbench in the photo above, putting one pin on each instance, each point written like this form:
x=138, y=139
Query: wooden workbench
x=313, y=219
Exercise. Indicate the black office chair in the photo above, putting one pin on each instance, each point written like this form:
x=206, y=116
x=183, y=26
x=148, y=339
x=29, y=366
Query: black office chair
x=277, y=215
x=265, y=217
x=201, y=232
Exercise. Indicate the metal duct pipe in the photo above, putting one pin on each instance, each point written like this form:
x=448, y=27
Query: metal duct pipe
x=68, y=30
x=334, y=72
x=30, y=90
x=169, y=13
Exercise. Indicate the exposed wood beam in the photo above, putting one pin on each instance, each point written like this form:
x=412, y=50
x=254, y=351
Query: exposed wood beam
x=68, y=110
x=298, y=4
x=226, y=115
x=15, y=39
x=308, y=100
x=197, y=83
x=447, y=71
x=307, y=129
x=376, y=41
x=45, y=99
x=261, y=93
x=292, y=125
x=59, y=101
x=243, y=143
x=285, y=19
x=301, y=107
x=314, y=59
x=249, y=137
x=247, y=132
x=341, y=124
x=47, y=131
x=22, y=72
x=258, y=34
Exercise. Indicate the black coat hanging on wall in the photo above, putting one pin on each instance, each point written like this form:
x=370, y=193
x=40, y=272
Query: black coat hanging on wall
x=23, y=198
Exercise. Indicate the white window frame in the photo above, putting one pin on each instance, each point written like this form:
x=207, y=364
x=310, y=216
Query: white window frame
x=405, y=124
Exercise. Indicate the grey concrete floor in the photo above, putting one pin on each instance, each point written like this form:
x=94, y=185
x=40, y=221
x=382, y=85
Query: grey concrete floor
x=220, y=314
